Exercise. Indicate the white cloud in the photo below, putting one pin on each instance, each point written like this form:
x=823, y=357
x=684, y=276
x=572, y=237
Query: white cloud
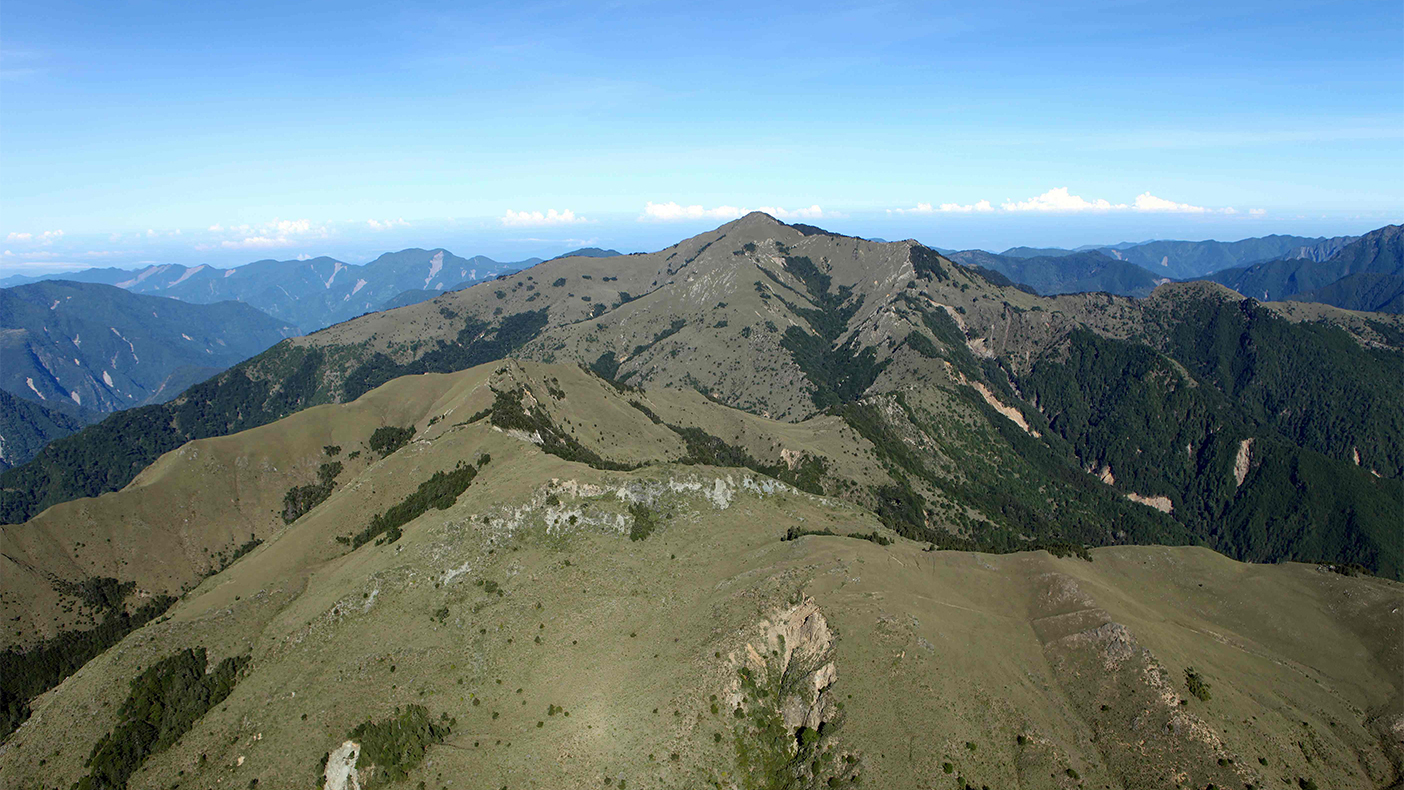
x=1058, y=199
x=269, y=235
x=292, y=227
x=920, y=208
x=1148, y=202
x=672, y=212
x=522, y=219
x=1257, y=212
x=257, y=243
x=387, y=224
x=47, y=237
x=980, y=206
x=949, y=208
x=813, y=212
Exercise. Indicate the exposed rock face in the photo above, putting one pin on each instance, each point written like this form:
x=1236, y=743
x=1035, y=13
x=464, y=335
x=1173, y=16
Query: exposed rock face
x=341, y=767
x=1245, y=456
x=798, y=640
x=1161, y=503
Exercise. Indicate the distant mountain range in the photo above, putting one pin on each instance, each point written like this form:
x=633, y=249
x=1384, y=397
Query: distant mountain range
x=1367, y=274
x=1359, y=273
x=1065, y=272
x=103, y=348
x=1189, y=260
x=1353, y=272
x=309, y=294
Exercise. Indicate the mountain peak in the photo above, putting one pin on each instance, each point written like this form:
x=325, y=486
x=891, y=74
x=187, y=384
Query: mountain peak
x=1196, y=289
x=756, y=221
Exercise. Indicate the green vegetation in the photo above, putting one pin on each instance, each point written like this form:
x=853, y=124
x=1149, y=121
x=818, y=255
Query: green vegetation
x=770, y=755
x=509, y=414
x=658, y=337
x=927, y=263
x=644, y=522
x=794, y=533
x=1313, y=384
x=1122, y=404
x=387, y=439
x=606, y=366
x=397, y=745
x=25, y=674
x=475, y=344
x=1031, y=494
x=101, y=594
x=106, y=456
x=704, y=448
x=1196, y=684
x=224, y=561
x=299, y=500
x=165, y=702
x=439, y=491
x=28, y=426
x=838, y=375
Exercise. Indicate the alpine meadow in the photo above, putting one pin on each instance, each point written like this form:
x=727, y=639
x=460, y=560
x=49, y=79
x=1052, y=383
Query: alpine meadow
x=653, y=397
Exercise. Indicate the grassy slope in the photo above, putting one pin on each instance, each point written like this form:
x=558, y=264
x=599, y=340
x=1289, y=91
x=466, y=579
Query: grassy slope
x=937, y=650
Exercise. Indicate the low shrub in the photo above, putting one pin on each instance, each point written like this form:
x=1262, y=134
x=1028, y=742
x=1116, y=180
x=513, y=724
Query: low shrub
x=395, y=746
x=165, y=702
x=388, y=439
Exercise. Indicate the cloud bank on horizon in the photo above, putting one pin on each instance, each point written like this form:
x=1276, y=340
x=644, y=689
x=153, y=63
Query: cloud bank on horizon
x=672, y=212
x=952, y=224
x=1060, y=200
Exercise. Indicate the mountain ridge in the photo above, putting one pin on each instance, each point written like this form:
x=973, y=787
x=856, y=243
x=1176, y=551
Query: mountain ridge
x=62, y=340
x=310, y=293
x=788, y=323
x=1380, y=252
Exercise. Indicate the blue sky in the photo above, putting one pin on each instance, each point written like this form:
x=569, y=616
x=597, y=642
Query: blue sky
x=227, y=132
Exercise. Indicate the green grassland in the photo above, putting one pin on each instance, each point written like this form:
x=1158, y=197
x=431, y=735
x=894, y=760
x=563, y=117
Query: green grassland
x=567, y=622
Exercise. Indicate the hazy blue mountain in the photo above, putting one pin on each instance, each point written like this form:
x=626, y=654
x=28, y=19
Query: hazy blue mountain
x=106, y=276
x=1381, y=293
x=1186, y=260
x=26, y=426
x=1071, y=272
x=1036, y=252
x=1379, y=252
x=106, y=349
x=309, y=294
x=1118, y=246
